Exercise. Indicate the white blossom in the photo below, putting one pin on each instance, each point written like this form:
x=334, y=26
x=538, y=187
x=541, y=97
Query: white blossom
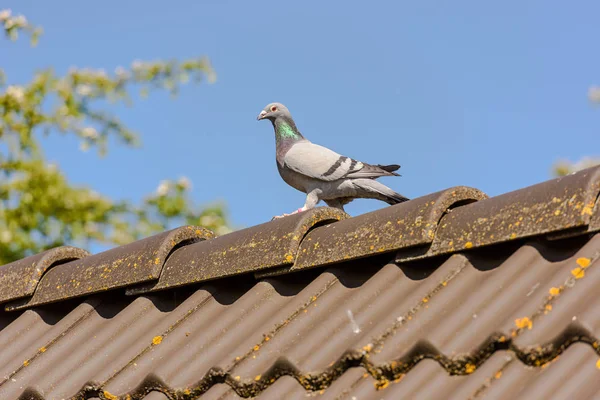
x=208, y=220
x=185, y=183
x=20, y=20
x=16, y=92
x=84, y=146
x=594, y=94
x=84, y=90
x=5, y=237
x=89, y=133
x=137, y=64
x=121, y=73
x=163, y=188
x=5, y=14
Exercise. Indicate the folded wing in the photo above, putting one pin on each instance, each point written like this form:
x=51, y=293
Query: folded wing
x=321, y=163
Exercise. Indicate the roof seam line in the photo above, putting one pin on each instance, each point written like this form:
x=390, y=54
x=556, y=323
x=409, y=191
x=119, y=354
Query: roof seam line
x=63, y=333
x=378, y=341
x=281, y=325
x=165, y=333
x=555, y=293
x=490, y=380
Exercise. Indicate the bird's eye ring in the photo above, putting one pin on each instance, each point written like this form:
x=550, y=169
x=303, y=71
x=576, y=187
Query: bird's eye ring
x=273, y=109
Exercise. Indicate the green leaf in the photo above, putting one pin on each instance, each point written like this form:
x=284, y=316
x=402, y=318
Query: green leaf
x=39, y=207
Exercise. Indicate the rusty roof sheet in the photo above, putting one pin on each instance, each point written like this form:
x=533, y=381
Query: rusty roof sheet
x=493, y=320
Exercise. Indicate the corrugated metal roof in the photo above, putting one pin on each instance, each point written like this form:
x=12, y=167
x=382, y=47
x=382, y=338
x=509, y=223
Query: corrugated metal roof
x=491, y=320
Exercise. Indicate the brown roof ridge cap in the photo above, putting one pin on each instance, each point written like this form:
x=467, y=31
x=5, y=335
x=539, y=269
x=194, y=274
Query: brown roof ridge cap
x=560, y=205
x=409, y=224
x=20, y=278
x=126, y=265
x=268, y=245
x=594, y=224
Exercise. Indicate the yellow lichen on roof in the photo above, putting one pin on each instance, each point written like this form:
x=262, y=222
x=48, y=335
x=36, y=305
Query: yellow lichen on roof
x=587, y=210
x=524, y=322
x=554, y=291
x=381, y=384
x=469, y=368
x=598, y=364
x=578, y=272
x=157, y=339
x=110, y=396
x=583, y=262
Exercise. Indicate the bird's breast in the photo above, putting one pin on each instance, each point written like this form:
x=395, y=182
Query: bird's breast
x=292, y=178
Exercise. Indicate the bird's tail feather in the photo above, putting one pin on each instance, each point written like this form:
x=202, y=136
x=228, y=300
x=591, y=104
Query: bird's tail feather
x=388, y=168
x=383, y=192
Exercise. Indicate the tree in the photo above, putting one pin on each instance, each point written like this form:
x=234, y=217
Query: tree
x=39, y=208
x=563, y=168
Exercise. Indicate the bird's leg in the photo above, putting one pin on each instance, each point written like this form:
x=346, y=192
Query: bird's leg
x=312, y=199
x=335, y=203
x=292, y=213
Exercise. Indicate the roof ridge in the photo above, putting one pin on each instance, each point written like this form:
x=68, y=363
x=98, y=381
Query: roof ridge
x=447, y=222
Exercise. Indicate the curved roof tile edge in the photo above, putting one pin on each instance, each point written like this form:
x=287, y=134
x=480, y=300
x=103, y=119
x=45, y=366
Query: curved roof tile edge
x=266, y=246
x=119, y=267
x=20, y=278
x=404, y=225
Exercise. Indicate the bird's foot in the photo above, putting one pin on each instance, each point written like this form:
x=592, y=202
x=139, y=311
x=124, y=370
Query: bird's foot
x=287, y=215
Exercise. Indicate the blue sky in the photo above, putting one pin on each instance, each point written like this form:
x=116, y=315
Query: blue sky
x=458, y=93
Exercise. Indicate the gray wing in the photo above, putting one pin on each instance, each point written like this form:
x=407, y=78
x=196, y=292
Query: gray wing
x=319, y=162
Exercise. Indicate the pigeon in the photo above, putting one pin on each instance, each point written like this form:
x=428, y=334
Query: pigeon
x=322, y=173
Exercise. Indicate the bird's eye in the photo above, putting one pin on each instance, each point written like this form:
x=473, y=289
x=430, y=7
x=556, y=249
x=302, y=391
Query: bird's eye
x=273, y=109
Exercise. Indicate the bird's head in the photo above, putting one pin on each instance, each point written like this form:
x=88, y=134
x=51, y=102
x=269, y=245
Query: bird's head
x=273, y=111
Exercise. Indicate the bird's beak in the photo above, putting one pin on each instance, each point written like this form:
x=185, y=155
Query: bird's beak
x=261, y=115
